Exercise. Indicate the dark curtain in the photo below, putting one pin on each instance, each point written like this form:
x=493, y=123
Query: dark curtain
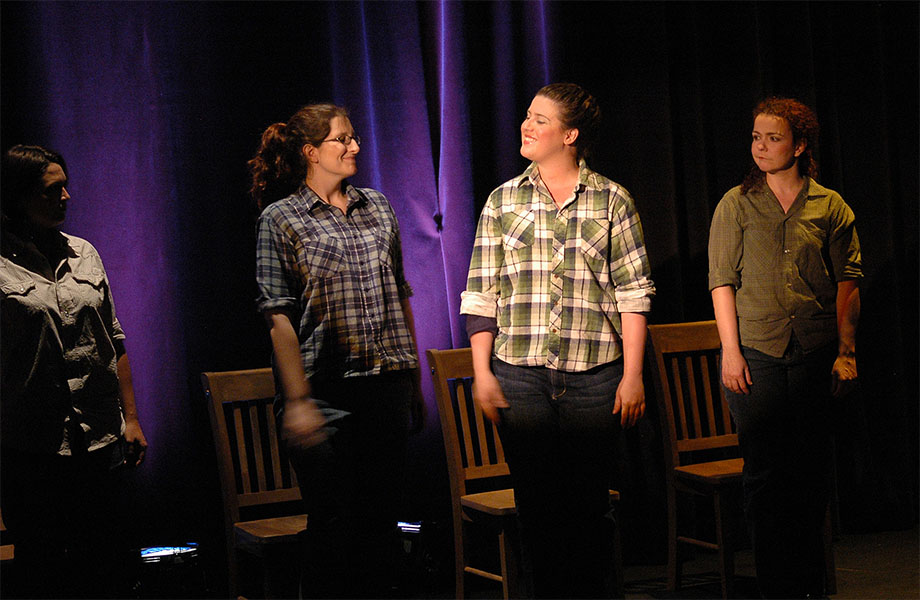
x=157, y=107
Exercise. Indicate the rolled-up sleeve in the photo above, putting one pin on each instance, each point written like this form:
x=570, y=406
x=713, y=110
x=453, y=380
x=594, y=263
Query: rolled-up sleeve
x=275, y=265
x=482, y=283
x=844, y=243
x=725, y=245
x=629, y=265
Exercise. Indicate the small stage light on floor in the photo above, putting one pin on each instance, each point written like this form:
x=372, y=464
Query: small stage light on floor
x=170, y=572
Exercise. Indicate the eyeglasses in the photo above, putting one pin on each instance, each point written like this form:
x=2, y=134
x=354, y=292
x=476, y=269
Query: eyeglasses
x=345, y=139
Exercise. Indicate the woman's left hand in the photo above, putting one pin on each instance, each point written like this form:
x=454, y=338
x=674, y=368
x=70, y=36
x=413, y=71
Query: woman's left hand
x=135, y=443
x=630, y=400
x=843, y=375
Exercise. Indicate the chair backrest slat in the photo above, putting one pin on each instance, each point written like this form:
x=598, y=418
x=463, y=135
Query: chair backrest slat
x=694, y=398
x=242, y=455
x=679, y=393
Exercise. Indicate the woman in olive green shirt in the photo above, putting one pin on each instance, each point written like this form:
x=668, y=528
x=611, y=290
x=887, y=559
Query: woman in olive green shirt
x=784, y=262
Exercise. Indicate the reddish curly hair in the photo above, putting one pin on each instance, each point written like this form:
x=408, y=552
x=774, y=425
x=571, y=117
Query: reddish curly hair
x=804, y=125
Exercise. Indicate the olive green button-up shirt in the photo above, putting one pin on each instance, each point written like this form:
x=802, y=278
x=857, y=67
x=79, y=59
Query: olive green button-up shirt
x=784, y=266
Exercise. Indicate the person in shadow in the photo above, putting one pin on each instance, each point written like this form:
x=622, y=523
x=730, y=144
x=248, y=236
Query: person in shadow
x=67, y=408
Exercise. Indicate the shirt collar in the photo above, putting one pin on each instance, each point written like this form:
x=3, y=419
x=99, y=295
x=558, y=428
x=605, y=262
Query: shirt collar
x=810, y=190
x=312, y=200
x=14, y=242
x=586, y=177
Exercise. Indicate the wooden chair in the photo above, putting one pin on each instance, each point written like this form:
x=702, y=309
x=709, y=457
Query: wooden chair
x=256, y=479
x=695, y=419
x=474, y=454
x=7, y=551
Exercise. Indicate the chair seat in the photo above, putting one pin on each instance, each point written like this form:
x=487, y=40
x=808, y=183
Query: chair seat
x=714, y=472
x=500, y=503
x=254, y=536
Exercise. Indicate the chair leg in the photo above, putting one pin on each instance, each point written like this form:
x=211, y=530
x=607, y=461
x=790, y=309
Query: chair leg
x=830, y=568
x=674, y=567
x=723, y=539
x=459, y=559
x=515, y=583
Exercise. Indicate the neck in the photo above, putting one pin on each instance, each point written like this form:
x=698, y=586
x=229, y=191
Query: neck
x=558, y=169
x=327, y=188
x=788, y=181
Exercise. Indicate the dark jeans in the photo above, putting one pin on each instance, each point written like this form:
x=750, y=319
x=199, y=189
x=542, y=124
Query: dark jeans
x=558, y=435
x=63, y=514
x=352, y=485
x=784, y=432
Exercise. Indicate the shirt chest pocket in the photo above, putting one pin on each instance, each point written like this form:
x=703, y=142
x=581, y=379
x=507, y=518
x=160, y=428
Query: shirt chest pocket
x=517, y=231
x=20, y=293
x=595, y=242
x=84, y=288
x=324, y=257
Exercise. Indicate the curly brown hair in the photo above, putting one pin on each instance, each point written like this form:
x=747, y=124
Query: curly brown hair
x=579, y=110
x=279, y=167
x=804, y=125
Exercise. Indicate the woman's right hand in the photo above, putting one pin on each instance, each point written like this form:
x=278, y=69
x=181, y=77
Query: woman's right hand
x=302, y=424
x=735, y=373
x=488, y=393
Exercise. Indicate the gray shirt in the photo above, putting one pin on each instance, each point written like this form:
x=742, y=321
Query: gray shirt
x=59, y=348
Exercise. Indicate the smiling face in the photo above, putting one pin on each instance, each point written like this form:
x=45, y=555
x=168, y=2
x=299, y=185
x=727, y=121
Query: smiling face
x=331, y=158
x=47, y=207
x=543, y=134
x=772, y=144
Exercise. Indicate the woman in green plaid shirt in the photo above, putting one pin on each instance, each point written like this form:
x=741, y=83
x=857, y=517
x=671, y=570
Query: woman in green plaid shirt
x=556, y=298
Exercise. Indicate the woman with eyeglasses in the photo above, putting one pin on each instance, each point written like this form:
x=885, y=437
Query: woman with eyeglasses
x=556, y=297
x=333, y=292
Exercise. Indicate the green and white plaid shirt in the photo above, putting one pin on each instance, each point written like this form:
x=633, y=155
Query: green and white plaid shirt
x=556, y=281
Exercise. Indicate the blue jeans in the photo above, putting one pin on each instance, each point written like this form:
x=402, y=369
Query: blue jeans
x=785, y=437
x=558, y=435
x=352, y=484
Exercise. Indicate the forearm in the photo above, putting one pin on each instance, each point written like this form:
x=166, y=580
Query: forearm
x=634, y=332
x=126, y=388
x=723, y=304
x=848, y=308
x=286, y=346
x=481, y=346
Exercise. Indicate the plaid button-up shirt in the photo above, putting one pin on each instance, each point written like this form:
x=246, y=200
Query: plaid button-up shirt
x=340, y=277
x=556, y=280
x=784, y=266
